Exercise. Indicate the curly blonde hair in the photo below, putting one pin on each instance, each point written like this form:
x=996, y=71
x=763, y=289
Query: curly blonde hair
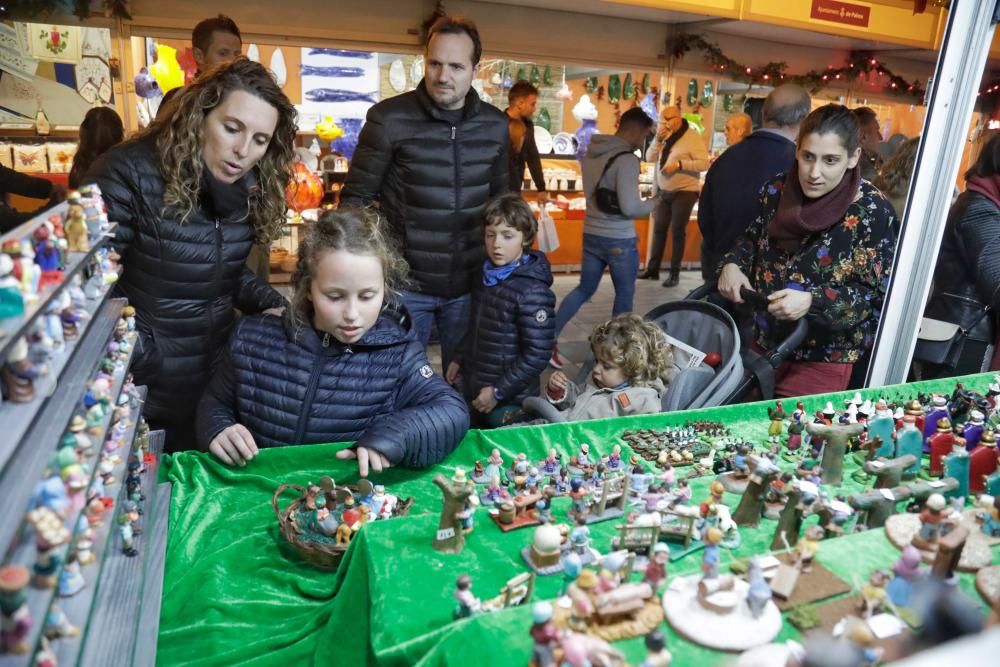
x=178, y=132
x=636, y=345
x=359, y=231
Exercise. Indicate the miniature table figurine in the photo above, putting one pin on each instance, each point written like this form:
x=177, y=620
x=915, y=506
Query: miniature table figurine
x=75, y=225
x=777, y=417
x=882, y=426
x=759, y=593
x=973, y=428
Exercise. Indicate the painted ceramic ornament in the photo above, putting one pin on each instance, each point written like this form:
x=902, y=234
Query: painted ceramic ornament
x=628, y=91
x=692, y=93
x=645, y=84
x=648, y=104
x=536, y=76
x=11, y=301
x=707, y=94
x=586, y=113
x=328, y=130
x=547, y=76
x=564, y=94
x=306, y=189
x=15, y=617
x=417, y=72
x=614, y=89
x=337, y=95
x=544, y=119
x=521, y=74
x=278, y=68
x=591, y=84
x=253, y=53
x=397, y=75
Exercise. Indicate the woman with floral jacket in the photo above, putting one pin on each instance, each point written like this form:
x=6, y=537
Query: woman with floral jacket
x=821, y=245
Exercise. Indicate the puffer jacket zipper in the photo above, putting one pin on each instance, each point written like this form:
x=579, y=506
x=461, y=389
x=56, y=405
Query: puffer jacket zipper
x=307, y=400
x=215, y=284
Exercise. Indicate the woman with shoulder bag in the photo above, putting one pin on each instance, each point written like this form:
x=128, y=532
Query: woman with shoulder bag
x=958, y=332
x=190, y=195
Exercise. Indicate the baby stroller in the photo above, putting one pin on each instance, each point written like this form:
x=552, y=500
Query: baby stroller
x=709, y=328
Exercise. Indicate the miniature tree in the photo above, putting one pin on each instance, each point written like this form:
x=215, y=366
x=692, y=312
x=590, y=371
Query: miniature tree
x=835, y=442
x=789, y=521
x=450, y=538
x=751, y=507
x=888, y=474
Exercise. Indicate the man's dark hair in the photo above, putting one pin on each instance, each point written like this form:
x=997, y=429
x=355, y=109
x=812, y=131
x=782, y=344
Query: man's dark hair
x=201, y=36
x=865, y=115
x=457, y=25
x=635, y=117
x=520, y=90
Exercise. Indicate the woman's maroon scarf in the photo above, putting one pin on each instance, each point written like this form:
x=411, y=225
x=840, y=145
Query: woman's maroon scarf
x=798, y=217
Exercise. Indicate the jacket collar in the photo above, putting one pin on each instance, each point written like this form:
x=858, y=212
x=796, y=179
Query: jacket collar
x=392, y=328
x=471, y=108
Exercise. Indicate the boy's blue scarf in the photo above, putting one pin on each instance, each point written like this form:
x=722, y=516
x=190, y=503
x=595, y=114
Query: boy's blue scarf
x=493, y=274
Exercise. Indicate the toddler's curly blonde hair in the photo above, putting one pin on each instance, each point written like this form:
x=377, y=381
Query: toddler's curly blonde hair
x=636, y=345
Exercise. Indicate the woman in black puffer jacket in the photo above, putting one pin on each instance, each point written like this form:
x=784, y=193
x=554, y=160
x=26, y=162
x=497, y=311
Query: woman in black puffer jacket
x=343, y=366
x=190, y=195
x=966, y=289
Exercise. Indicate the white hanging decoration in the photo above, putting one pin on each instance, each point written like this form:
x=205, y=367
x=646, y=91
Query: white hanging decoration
x=278, y=68
x=253, y=53
x=397, y=75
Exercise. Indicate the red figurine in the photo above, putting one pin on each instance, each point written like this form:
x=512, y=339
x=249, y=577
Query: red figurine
x=983, y=461
x=656, y=571
x=940, y=445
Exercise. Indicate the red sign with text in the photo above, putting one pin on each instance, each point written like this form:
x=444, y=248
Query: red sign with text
x=841, y=12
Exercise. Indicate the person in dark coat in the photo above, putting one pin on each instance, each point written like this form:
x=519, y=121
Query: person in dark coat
x=190, y=195
x=731, y=193
x=522, y=100
x=967, y=275
x=431, y=158
x=12, y=182
x=343, y=365
x=513, y=316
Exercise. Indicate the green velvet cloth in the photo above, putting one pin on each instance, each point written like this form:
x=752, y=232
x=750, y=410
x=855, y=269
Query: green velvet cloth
x=236, y=593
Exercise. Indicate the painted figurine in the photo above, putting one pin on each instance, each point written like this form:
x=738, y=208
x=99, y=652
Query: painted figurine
x=777, y=417
x=71, y=579
x=579, y=495
x=657, y=654
x=938, y=410
x=615, y=458
x=710, y=557
x=939, y=445
x=909, y=441
x=15, y=618
x=550, y=465
x=11, y=301
x=656, y=571
x=973, y=429
x=932, y=522
x=905, y=572
x=18, y=374
x=48, y=257
x=75, y=225
x=128, y=537
x=494, y=493
x=544, y=634
x=468, y=604
x=50, y=535
x=759, y=594
x=808, y=547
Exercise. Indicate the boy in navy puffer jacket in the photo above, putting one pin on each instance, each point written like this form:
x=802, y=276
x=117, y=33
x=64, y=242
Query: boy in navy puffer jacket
x=513, y=325
x=344, y=365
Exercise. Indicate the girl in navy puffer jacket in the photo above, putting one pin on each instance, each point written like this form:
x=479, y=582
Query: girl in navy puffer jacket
x=342, y=365
x=512, y=330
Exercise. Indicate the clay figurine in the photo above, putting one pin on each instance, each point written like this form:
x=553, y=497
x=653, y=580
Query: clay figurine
x=983, y=461
x=15, y=618
x=18, y=374
x=759, y=593
x=50, y=535
x=494, y=494
x=657, y=654
x=937, y=411
x=933, y=519
x=777, y=417
x=47, y=257
x=808, y=547
x=71, y=579
x=615, y=458
x=906, y=571
x=468, y=604
x=75, y=225
x=11, y=301
x=939, y=445
x=128, y=537
x=450, y=537
x=58, y=626
x=873, y=594
x=544, y=635
x=656, y=571
x=710, y=557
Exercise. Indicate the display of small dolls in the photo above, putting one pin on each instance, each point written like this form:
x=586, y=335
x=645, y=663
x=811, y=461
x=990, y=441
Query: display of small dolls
x=656, y=571
x=127, y=536
x=15, y=617
x=58, y=626
x=48, y=257
x=50, y=535
x=808, y=546
x=657, y=654
x=467, y=603
x=11, y=301
x=544, y=634
x=18, y=374
x=71, y=580
x=494, y=493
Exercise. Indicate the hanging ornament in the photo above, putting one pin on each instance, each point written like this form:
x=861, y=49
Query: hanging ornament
x=42, y=126
x=520, y=74
x=614, y=89
x=547, y=76
x=692, y=92
x=628, y=92
x=508, y=82
x=727, y=103
x=645, y=84
x=496, y=79
x=536, y=76
x=590, y=85
x=707, y=94
x=544, y=119
x=564, y=94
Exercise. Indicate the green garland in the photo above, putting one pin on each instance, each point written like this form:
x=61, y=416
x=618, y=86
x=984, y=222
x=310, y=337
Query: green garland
x=859, y=65
x=44, y=9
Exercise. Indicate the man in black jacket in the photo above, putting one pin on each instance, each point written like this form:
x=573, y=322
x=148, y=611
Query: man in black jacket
x=730, y=197
x=521, y=100
x=430, y=159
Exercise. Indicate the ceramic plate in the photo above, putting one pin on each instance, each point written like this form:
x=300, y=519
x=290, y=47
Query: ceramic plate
x=564, y=143
x=543, y=140
x=397, y=76
x=416, y=71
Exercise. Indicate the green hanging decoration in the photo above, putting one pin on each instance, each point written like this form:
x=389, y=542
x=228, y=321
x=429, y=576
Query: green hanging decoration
x=645, y=83
x=629, y=91
x=727, y=103
x=544, y=119
x=547, y=76
x=536, y=76
x=520, y=74
x=590, y=85
x=707, y=94
x=692, y=92
x=614, y=89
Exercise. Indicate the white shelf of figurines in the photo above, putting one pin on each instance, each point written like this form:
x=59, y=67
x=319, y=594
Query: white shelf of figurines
x=323, y=520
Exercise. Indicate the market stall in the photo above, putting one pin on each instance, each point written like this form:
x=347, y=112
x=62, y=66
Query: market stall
x=391, y=603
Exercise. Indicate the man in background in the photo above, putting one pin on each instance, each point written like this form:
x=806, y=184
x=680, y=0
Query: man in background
x=738, y=127
x=522, y=100
x=871, y=137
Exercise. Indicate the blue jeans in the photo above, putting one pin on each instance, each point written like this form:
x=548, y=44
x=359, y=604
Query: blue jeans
x=621, y=256
x=450, y=314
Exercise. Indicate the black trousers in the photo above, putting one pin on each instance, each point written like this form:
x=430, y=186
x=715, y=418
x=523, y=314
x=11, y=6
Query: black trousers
x=673, y=210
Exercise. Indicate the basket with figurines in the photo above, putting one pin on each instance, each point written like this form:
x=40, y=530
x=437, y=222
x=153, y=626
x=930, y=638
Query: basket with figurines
x=321, y=522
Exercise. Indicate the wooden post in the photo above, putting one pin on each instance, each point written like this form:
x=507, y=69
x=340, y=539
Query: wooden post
x=949, y=551
x=835, y=441
x=789, y=521
x=889, y=473
x=450, y=538
x=751, y=507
